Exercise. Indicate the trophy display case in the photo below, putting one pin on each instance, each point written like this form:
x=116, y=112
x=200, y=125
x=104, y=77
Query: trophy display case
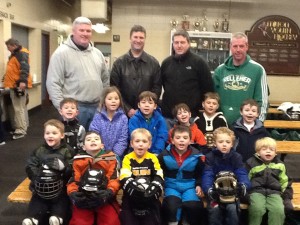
x=212, y=46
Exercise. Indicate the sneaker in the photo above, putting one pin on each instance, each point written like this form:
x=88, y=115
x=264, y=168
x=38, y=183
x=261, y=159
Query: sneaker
x=29, y=221
x=2, y=143
x=18, y=136
x=54, y=220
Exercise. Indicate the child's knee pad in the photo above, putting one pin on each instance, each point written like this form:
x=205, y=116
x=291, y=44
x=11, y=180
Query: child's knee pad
x=30, y=221
x=54, y=220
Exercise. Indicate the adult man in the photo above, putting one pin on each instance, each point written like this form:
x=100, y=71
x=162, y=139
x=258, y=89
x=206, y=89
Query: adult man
x=136, y=71
x=185, y=77
x=240, y=78
x=18, y=79
x=77, y=70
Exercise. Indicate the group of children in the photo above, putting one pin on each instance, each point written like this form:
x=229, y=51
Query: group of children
x=196, y=159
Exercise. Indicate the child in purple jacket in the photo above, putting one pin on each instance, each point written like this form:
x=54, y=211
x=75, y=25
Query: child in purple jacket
x=111, y=122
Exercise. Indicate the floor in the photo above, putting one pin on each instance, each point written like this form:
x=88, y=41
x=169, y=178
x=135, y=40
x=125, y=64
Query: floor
x=15, y=152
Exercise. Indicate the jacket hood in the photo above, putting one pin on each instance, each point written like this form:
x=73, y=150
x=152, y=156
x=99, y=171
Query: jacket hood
x=118, y=113
x=216, y=152
x=69, y=42
x=239, y=124
x=229, y=63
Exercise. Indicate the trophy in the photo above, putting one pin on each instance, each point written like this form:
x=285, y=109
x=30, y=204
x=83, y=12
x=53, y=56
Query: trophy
x=225, y=23
x=216, y=25
x=174, y=24
x=197, y=24
x=185, y=24
x=204, y=21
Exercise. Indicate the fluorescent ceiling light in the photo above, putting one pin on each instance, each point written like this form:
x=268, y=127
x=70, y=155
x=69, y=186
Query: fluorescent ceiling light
x=100, y=28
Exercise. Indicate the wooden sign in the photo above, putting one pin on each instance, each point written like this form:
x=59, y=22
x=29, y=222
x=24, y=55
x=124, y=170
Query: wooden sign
x=274, y=42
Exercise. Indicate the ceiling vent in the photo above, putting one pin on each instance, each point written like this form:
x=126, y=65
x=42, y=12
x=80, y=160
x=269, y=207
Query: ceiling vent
x=94, y=9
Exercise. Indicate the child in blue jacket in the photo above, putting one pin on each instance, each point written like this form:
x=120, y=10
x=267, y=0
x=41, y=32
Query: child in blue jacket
x=150, y=118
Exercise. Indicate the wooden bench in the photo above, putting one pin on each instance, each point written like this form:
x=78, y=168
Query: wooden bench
x=22, y=194
x=288, y=147
x=282, y=124
x=274, y=111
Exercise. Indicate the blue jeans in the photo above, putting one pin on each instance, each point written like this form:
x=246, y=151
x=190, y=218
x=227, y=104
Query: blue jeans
x=86, y=114
x=224, y=212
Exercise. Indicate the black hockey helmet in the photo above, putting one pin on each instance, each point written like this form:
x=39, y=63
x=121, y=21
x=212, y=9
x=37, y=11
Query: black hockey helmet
x=226, y=186
x=93, y=180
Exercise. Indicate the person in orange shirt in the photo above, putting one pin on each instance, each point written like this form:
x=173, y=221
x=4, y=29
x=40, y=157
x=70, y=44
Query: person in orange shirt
x=94, y=184
x=183, y=115
x=17, y=79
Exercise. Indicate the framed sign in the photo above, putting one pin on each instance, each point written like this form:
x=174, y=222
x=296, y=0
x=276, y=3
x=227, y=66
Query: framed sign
x=274, y=42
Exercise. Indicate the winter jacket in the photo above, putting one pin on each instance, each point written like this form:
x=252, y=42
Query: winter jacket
x=208, y=124
x=114, y=133
x=184, y=177
x=17, y=69
x=245, y=140
x=269, y=178
x=157, y=127
x=106, y=161
x=75, y=73
x=185, y=78
x=132, y=76
x=216, y=161
x=74, y=134
x=236, y=84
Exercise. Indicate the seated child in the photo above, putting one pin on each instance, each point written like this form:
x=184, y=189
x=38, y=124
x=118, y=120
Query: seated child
x=248, y=128
x=209, y=120
x=183, y=115
x=111, y=122
x=271, y=187
x=142, y=181
x=150, y=118
x=182, y=166
x=74, y=132
x=223, y=158
x=48, y=166
x=94, y=184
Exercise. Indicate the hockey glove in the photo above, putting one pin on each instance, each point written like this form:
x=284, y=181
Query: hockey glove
x=79, y=199
x=103, y=195
x=132, y=188
x=212, y=195
x=55, y=164
x=154, y=190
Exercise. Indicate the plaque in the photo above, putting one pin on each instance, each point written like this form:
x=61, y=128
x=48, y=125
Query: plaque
x=274, y=42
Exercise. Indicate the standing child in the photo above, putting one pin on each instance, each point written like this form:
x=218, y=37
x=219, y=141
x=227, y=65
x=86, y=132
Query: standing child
x=142, y=181
x=182, y=166
x=94, y=184
x=150, y=118
x=74, y=132
x=47, y=167
x=111, y=122
x=224, y=161
x=248, y=128
x=209, y=120
x=183, y=115
x=271, y=187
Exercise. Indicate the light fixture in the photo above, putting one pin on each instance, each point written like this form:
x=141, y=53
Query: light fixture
x=100, y=28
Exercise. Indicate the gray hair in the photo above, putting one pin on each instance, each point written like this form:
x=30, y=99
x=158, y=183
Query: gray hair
x=81, y=20
x=12, y=42
x=239, y=35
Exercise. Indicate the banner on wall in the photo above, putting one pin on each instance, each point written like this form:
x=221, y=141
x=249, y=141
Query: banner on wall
x=274, y=42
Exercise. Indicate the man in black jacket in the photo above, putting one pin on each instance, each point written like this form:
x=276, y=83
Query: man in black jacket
x=136, y=71
x=185, y=77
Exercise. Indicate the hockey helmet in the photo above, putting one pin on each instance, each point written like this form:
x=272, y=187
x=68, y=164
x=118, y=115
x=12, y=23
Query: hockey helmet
x=49, y=183
x=143, y=182
x=291, y=110
x=226, y=186
x=93, y=180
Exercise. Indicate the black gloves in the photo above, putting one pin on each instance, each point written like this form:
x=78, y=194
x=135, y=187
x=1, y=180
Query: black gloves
x=154, y=190
x=212, y=195
x=132, y=189
x=288, y=205
x=92, y=200
x=241, y=190
x=55, y=164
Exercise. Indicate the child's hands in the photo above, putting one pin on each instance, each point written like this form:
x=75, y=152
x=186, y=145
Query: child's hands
x=288, y=206
x=154, y=190
x=55, y=164
x=199, y=191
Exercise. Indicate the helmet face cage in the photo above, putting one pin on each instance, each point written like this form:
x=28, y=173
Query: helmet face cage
x=226, y=186
x=49, y=184
x=93, y=180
